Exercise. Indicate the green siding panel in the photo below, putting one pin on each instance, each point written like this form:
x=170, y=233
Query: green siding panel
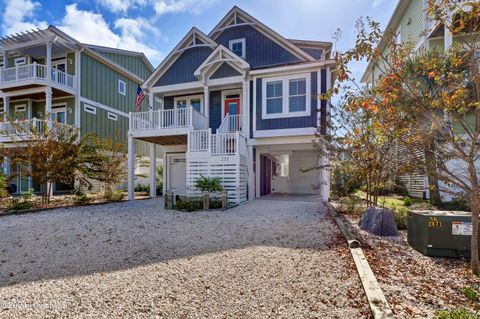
x=132, y=63
x=100, y=84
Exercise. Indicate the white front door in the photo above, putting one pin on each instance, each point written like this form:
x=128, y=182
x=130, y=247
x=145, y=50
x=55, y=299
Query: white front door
x=177, y=176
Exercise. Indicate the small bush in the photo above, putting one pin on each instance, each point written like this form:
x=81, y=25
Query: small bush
x=19, y=204
x=81, y=199
x=470, y=293
x=401, y=217
x=142, y=188
x=407, y=201
x=457, y=204
x=114, y=196
x=208, y=184
x=3, y=186
x=189, y=204
x=343, y=183
x=460, y=313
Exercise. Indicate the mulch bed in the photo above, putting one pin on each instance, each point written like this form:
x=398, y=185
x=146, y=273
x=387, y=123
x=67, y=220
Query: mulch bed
x=415, y=286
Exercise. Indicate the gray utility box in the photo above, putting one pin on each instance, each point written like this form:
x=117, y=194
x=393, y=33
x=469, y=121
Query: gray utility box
x=440, y=234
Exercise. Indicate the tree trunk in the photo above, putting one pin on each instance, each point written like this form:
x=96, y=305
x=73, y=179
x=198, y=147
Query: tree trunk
x=475, y=205
x=431, y=170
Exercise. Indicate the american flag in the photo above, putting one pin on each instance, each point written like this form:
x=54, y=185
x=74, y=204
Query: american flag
x=139, y=99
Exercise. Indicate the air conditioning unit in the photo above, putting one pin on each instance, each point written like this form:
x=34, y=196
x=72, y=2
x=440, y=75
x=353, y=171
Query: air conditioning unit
x=440, y=233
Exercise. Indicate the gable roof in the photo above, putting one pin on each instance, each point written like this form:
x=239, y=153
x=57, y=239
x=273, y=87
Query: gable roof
x=141, y=55
x=240, y=18
x=58, y=37
x=193, y=39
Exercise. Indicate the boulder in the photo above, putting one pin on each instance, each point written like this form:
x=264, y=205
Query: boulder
x=379, y=221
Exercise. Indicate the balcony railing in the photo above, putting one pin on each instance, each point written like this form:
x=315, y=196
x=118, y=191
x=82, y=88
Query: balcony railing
x=35, y=71
x=23, y=129
x=168, y=119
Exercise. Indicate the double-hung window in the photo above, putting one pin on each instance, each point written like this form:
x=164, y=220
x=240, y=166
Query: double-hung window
x=286, y=96
x=274, y=97
x=237, y=46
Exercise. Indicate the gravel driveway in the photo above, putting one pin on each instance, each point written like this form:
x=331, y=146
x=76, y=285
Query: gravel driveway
x=268, y=258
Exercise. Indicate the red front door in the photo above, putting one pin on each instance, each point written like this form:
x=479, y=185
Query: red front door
x=232, y=107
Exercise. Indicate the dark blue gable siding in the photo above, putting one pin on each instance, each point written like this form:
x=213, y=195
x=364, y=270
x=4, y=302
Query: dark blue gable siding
x=182, y=69
x=315, y=53
x=288, y=122
x=224, y=71
x=260, y=50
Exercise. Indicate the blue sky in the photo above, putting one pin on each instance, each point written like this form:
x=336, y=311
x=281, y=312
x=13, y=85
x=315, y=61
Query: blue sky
x=156, y=26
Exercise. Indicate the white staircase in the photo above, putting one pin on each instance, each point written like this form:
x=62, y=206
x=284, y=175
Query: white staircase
x=222, y=155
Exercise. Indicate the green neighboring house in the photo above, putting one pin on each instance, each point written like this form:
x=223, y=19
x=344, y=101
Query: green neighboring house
x=411, y=24
x=46, y=75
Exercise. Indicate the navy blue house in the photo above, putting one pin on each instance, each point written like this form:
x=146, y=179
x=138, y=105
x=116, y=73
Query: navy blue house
x=241, y=103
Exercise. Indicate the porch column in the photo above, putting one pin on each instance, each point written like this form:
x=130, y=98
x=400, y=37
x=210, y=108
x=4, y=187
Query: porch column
x=48, y=105
x=448, y=38
x=165, y=171
x=245, y=109
x=206, y=101
x=151, y=101
x=131, y=168
x=6, y=108
x=5, y=58
x=49, y=61
x=153, y=171
x=251, y=174
x=6, y=166
x=324, y=177
x=257, y=172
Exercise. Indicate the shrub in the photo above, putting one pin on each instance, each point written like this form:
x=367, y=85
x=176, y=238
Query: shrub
x=19, y=204
x=401, y=217
x=159, y=188
x=470, y=293
x=407, y=201
x=114, y=196
x=3, y=186
x=208, y=184
x=81, y=199
x=343, y=183
x=189, y=204
x=142, y=188
x=460, y=313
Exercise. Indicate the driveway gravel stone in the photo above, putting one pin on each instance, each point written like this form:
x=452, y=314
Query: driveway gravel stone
x=268, y=258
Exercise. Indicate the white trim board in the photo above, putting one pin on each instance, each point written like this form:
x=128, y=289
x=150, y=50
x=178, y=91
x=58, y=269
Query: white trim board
x=286, y=132
x=104, y=107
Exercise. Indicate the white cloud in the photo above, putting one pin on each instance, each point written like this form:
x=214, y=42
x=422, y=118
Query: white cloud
x=19, y=16
x=90, y=27
x=376, y=3
x=120, y=5
x=174, y=6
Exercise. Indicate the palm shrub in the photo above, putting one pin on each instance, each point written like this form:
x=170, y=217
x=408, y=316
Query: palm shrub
x=208, y=184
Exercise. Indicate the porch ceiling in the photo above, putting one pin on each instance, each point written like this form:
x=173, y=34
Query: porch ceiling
x=34, y=96
x=166, y=140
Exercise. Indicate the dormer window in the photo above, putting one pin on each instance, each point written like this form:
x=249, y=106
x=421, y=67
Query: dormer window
x=237, y=46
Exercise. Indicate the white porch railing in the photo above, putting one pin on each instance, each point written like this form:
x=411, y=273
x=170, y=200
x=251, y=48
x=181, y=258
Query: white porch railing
x=23, y=127
x=12, y=131
x=35, y=71
x=164, y=119
x=230, y=123
x=217, y=144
